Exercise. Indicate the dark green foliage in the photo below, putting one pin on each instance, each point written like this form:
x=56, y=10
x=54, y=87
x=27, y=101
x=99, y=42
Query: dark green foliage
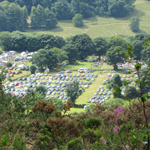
x=45, y=58
x=74, y=144
x=93, y=123
x=131, y=93
x=135, y=23
x=62, y=10
x=41, y=89
x=12, y=17
x=145, y=54
x=137, y=46
x=112, y=57
x=77, y=20
x=32, y=69
x=145, y=80
x=72, y=91
x=8, y=64
x=50, y=19
x=1, y=52
x=100, y=46
x=83, y=44
x=72, y=53
x=19, y=41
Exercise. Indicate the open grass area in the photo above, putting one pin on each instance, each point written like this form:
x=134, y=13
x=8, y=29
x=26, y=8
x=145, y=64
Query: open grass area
x=105, y=27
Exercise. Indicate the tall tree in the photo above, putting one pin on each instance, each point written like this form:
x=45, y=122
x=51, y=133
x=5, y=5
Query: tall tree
x=3, y=21
x=100, y=45
x=72, y=91
x=41, y=15
x=45, y=58
x=25, y=16
x=145, y=54
x=34, y=18
x=62, y=10
x=83, y=44
x=112, y=57
x=135, y=24
x=61, y=54
x=50, y=19
x=71, y=52
x=137, y=46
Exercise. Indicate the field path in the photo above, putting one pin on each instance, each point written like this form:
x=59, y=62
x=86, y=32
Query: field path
x=89, y=92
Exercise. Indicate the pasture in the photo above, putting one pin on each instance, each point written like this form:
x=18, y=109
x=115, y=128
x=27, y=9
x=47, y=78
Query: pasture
x=105, y=27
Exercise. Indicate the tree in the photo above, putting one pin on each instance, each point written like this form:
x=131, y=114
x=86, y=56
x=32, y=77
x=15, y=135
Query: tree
x=72, y=91
x=131, y=92
x=100, y=45
x=50, y=19
x=41, y=15
x=8, y=64
x=25, y=16
x=32, y=69
x=62, y=10
x=3, y=21
x=83, y=44
x=144, y=76
x=112, y=57
x=137, y=46
x=41, y=89
x=135, y=23
x=145, y=54
x=61, y=54
x=34, y=18
x=45, y=58
x=72, y=52
x=78, y=20
x=13, y=14
x=115, y=81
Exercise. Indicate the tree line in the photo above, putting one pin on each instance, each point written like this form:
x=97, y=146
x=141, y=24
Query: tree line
x=77, y=47
x=47, y=12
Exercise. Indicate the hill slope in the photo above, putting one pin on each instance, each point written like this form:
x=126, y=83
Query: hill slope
x=106, y=27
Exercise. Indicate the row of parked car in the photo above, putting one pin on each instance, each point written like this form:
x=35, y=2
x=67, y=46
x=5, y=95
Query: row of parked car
x=54, y=83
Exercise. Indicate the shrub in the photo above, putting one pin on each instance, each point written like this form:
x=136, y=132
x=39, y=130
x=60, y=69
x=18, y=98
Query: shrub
x=8, y=64
x=19, y=144
x=74, y=144
x=93, y=123
x=78, y=20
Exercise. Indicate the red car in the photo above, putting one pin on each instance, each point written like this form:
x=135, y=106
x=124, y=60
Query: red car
x=19, y=71
x=82, y=71
x=11, y=68
x=135, y=72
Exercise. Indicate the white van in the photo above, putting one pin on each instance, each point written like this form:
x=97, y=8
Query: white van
x=83, y=69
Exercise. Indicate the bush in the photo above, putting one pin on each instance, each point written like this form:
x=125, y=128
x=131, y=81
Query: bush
x=113, y=101
x=32, y=69
x=19, y=144
x=8, y=64
x=74, y=144
x=78, y=20
x=93, y=123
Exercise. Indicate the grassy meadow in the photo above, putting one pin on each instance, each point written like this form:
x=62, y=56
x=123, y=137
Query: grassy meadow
x=105, y=27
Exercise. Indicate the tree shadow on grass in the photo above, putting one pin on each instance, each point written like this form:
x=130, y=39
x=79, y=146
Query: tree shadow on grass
x=140, y=31
x=57, y=29
x=91, y=19
x=136, y=12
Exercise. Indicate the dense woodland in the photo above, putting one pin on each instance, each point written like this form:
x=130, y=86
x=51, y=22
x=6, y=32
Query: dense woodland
x=45, y=13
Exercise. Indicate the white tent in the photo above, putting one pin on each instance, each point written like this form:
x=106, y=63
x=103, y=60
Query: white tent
x=20, y=66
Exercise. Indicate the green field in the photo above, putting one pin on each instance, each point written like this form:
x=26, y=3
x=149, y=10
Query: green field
x=105, y=27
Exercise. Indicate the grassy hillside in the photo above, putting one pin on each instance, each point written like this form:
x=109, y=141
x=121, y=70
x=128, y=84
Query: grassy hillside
x=106, y=27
